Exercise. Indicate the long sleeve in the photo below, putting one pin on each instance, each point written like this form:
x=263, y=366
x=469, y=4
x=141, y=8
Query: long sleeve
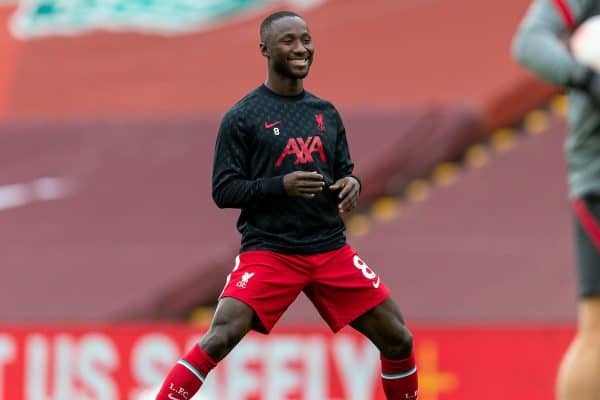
x=264, y=137
x=538, y=43
x=232, y=186
x=343, y=163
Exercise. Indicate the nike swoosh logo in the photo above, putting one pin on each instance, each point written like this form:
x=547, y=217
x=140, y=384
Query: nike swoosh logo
x=269, y=126
x=376, y=284
x=172, y=397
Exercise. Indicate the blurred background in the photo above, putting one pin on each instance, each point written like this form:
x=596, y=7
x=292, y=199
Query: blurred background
x=112, y=253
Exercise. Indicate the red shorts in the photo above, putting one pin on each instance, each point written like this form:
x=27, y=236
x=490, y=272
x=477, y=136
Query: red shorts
x=340, y=285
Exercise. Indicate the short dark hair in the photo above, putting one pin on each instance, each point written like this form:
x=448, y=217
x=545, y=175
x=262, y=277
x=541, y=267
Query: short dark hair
x=265, y=26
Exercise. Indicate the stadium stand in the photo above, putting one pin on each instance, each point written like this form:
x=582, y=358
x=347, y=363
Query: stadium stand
x=487, y=257
x=129, y=121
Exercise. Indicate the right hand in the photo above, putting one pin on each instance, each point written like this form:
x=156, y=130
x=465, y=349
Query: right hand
x=594, y=90
x=586, y=79
x=303, y=184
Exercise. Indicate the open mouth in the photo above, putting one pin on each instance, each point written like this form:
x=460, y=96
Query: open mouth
x=299, y=62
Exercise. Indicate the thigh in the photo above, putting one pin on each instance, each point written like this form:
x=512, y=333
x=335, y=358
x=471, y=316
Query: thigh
x=587, y=245
x=589, y=318
x=267, y=282
x=344, y=287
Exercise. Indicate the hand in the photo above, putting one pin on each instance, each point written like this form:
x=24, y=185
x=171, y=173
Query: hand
x=349, y=193
x=303, y=184
x=594, y=89
x=588, y=80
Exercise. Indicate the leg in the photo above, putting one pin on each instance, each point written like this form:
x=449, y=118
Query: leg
x=579, y=372
x=346, y=290
x=232, y=320
x=258, y=290
x=384, y=326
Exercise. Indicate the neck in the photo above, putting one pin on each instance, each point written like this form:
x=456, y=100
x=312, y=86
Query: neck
x=284, y=86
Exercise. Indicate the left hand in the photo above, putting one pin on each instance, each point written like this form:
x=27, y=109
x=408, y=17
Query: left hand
x=350, y=188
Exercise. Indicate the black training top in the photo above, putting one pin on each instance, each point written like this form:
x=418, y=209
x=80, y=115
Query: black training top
x=262, y=138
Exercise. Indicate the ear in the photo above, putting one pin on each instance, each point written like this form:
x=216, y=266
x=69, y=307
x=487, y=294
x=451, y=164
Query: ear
x=263, y=49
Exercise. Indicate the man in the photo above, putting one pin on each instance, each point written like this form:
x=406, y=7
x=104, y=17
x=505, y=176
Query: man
x=540, y=45
x=282, y=157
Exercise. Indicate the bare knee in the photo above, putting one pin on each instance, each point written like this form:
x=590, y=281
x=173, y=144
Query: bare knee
x=398, y=343
x=221, y=339
x=230, y=324
x=384, y=326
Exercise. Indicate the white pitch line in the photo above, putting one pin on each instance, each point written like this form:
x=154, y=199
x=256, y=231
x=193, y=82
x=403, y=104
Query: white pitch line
x=42, y=189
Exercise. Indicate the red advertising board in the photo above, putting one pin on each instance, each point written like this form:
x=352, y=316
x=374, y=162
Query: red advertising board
x=127, y=362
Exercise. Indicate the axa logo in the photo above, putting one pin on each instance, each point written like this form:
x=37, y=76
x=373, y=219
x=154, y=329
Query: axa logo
x=303, y=150
x=244, y=281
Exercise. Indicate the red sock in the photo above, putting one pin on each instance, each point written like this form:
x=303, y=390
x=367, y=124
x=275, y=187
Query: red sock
x=399, y=378
x=186, y=377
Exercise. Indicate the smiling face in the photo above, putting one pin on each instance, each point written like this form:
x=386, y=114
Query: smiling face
x=288, y=46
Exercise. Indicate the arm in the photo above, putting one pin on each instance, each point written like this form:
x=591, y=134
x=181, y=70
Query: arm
x=231, y=185
x=349, y=184
x=539, y=45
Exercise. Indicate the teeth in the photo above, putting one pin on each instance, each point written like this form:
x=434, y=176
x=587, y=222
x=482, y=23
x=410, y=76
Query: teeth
x=299, y=62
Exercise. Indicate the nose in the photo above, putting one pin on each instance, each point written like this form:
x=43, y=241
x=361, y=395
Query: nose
x=299, y=48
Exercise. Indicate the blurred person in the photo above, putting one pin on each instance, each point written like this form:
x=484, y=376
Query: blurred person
x=540, y=45
x=282, y=157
